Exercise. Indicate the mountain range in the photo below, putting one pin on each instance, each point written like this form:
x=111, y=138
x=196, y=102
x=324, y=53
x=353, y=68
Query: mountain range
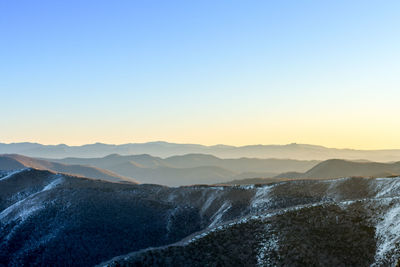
x=334, y=168
x=173, y=171
x=15, y=162
x=200, y=169
x=164, y=149
x=60, y=220
x=190, y=169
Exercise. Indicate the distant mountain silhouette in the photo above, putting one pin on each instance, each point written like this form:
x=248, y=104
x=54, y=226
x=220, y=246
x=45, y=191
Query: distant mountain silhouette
x=336, y=168
x=190, y=169
x=13, y=162
x=164, y=149
x=329, y=169
x=174, y=176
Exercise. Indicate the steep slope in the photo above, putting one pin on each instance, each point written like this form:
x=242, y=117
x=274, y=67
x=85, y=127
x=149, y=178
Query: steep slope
x=59, y=220
x=12, y=162
x=273, y=241
x=345, y=222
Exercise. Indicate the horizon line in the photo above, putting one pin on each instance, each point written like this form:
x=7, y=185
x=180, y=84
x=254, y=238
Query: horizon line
x=196, y=144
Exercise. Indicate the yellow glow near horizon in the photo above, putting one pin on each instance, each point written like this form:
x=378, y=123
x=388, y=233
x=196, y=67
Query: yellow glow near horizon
x=357, y=128
x=345, y=133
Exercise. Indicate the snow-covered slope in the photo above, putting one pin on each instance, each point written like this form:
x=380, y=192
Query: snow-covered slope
x=49, y=219
x=352, y=221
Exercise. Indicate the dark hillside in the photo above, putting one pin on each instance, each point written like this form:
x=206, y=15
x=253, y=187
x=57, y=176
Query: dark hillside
x=59, y=220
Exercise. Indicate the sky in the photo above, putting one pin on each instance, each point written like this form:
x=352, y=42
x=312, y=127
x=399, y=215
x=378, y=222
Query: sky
x=208, y=72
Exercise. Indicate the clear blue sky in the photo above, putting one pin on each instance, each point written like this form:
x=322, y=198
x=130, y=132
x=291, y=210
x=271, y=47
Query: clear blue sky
x=233, y=72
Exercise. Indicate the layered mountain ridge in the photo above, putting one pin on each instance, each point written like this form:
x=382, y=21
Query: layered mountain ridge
x=334, y=168
x=165, y=149
x=201, y=169
x=13, y=161
x=191, y=168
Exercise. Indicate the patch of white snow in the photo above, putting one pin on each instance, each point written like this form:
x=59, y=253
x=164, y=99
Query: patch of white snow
x=388, y=236
x=217, y=217
x=10, y=174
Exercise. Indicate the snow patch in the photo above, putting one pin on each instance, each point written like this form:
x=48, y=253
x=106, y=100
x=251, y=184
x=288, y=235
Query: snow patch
x=332, y=191
x=387, y=187
x=217, y=217
x=218, y=188
x=59, y=179
x=12, y=173
x=210, y=199
x=269, y=244
x=25, y=207
x=21, y=209
x=170, y=219
x=172, y=196
x=262, y=198
x=388, y=235
x=247, y=187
